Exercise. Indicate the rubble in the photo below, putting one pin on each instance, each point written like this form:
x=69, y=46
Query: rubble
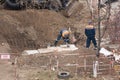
x=107, y=53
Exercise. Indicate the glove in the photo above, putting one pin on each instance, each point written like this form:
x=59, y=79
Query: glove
x=66, y=40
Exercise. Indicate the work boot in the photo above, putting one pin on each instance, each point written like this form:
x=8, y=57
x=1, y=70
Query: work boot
x=95, y=48
x=55, y=43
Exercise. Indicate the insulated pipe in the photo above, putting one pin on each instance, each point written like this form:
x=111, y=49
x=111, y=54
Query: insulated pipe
x=12, y=5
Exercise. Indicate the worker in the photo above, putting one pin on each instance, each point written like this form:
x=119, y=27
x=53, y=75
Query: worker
x=63, y=34
x=90, y=34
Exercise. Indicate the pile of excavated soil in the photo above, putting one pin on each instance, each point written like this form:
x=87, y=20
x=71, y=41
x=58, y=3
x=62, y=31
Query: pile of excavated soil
x=31, y=28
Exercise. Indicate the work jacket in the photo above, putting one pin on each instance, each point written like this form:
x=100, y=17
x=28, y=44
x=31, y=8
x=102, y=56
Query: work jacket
x=64, y=33
x=90, y=31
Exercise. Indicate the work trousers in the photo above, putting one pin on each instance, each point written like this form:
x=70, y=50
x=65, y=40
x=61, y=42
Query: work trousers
x=66, y=40
x=88, y=41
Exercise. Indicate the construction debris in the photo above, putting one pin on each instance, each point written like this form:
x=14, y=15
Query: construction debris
x=107, y=53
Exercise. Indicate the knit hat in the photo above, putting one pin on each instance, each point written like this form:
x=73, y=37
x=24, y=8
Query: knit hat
x=90, y=22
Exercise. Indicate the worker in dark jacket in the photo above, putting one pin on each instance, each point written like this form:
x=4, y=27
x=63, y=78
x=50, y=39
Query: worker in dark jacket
x=90, y=34
x=63, y=34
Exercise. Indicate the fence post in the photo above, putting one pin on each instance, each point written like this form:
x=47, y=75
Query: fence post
x=95, y=67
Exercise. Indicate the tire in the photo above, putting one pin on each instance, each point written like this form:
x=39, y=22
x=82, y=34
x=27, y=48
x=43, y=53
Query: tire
x=12, y=5
x=63, y=75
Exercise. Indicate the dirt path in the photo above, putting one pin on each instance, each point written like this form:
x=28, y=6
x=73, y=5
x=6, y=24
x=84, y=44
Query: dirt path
x=7, y=71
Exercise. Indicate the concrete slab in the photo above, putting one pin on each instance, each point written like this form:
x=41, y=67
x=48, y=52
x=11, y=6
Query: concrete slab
x=69, y=47
x=60, y=48
x=29, y=52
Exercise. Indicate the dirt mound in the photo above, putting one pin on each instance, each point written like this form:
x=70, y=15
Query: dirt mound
x=31, y=27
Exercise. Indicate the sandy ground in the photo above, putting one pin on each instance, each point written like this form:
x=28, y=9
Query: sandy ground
x=33, y=29
x=7, y=70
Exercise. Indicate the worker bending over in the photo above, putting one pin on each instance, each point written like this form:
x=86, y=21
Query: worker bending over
x=63, y=34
